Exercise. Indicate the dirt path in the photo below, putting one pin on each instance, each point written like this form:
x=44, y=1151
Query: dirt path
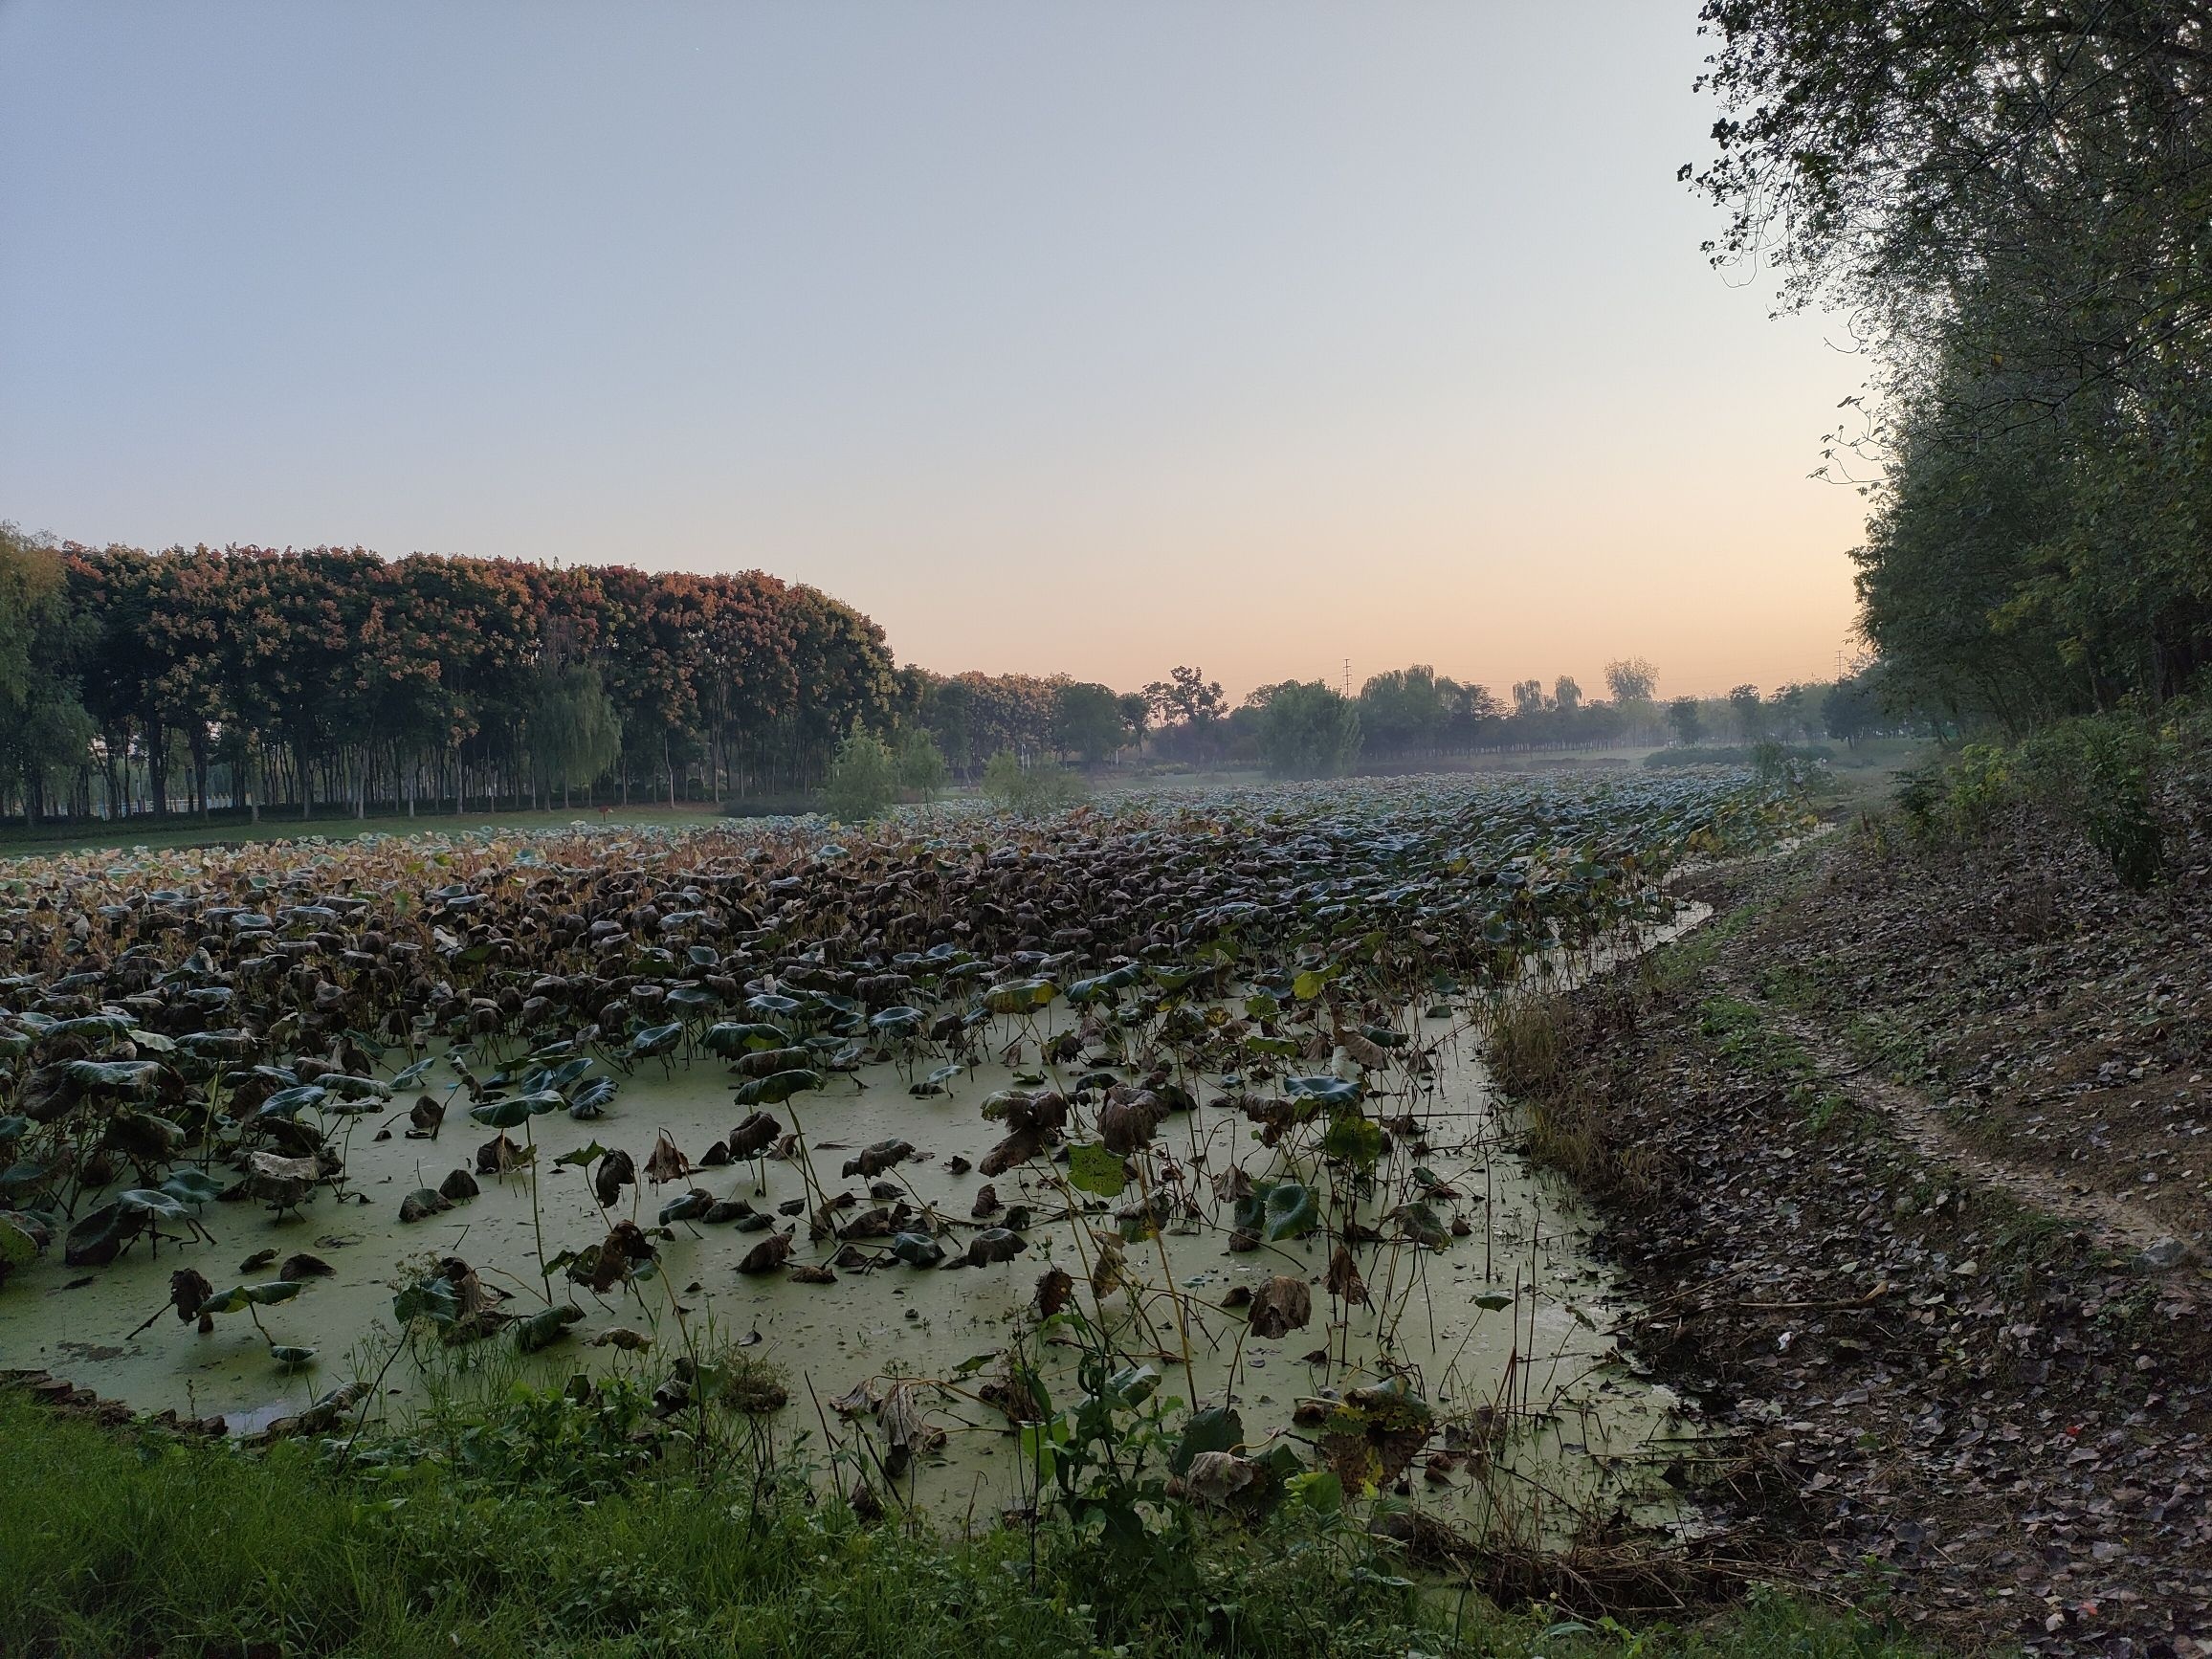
x=2113, y=1222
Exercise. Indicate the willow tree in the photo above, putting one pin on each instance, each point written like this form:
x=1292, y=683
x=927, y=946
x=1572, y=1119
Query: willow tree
x=574, y=734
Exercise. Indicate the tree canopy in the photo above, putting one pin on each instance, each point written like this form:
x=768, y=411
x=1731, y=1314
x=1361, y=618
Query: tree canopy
x=2013, y=201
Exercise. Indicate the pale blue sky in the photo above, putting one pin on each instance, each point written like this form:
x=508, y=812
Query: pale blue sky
x=1096, y=338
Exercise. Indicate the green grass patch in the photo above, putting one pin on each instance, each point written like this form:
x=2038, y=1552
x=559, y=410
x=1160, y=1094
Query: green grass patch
x=136, y=1541
x=1887, y=1042
x=1739, y=1035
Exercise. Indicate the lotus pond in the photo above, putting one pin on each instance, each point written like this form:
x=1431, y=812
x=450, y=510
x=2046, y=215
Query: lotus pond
x=989, y=1152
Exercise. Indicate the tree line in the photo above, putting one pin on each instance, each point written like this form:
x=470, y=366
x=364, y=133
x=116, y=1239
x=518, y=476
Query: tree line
x=145, y=683
x=2011, y=201
x=331, y=680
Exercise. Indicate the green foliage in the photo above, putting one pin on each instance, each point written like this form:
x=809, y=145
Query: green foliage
x=1748, y=713
x=473, y=1538
x=573, y=731
x=1957, y=800
x=1682, y=714
x=2039, y=411
x=863, y=779
x=920, y=764
x=44, y=727
x=337, y=675
x=554, y=1524
x=1309, y=730
x=1087, y=720
x=1030, y=790
x=1851, y=710
x=1413, y=710
x=2100, y=773
x=1632, y=681
x=2103, y=773
x=1774, y=761
x=1186, y=697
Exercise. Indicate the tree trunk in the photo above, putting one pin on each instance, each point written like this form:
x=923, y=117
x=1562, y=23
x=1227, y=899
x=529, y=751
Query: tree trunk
x=157, y=770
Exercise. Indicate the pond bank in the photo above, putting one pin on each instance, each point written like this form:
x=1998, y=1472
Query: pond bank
x=1873, y=1150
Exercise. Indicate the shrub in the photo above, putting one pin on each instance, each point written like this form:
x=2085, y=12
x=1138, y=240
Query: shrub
x=2098, y=774
x=1773, y=761
x=2101, y=772
x=1030, y=790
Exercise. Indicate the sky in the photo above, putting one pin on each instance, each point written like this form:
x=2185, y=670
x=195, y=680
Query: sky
x=1268, y=336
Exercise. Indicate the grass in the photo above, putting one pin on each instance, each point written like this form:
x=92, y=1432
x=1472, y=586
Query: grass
x=233, y=830
x=136, y=1541
x=1740, y=1034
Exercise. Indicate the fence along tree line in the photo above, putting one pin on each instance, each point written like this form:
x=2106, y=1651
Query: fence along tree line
x=335, y=678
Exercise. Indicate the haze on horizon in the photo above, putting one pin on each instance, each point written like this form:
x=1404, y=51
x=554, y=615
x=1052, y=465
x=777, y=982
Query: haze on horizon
x=1092, y=341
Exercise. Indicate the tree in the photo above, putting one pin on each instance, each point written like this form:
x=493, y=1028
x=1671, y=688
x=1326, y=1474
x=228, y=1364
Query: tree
x=920, y=769
x=1087, y=720
x=1404, y=710
x=1467, y=710
x=1683, y=715
x=574, y=733
x=2009, y=198
x=1852, y=708
x=1858, y=140
x=31, y=582
x=1188, y=697
x=862, y=780
x=1307, y=730
x=1743, y=705
x=44, y=727
x=1528, y=697
x=1031, y=791
x=1788, y=711
x=1631, y=680
x=1135, y=714
x=1566, y=694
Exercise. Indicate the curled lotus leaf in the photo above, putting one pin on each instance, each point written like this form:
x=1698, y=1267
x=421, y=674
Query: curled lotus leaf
x=779, y=1087
x=291, y=1102
x=115, y=1078
x=591, y=1100
x=1278, y=1209
x=239, y=1298
x=916, y=1250
x=1328, y=1091
x=995, y=1244
x=730, y=1038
